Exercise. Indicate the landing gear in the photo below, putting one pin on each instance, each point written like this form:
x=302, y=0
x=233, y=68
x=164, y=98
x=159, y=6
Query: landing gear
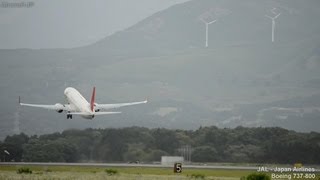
x=69, y=116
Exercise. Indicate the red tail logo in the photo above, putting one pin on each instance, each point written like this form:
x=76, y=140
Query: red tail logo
x=92, y=99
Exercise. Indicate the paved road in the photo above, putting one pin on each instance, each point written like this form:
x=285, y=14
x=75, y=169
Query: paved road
x=138, y=165
x=127, y=165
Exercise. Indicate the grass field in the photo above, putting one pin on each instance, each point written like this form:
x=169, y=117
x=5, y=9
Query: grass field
x=123, y=173
x=85, y=176
x=86, y=172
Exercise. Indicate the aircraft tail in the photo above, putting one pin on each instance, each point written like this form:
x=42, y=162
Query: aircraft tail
x=93, y=99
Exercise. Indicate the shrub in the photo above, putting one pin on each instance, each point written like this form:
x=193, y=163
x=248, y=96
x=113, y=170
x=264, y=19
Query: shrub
x=111, y=172
x=24, y=170
x=258, y=176
x=198, y=176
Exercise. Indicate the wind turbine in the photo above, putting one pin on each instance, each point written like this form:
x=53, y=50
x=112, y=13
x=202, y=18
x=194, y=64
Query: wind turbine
x=207, y=28
x=273, y=22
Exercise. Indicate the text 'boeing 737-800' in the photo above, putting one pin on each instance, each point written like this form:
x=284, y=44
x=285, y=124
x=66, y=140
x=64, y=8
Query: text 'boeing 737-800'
x=78, y=105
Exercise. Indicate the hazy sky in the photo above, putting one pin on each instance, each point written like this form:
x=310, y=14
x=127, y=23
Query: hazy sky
x=72, y=23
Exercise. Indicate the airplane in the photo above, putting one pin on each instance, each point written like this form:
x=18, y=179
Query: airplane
x=78, y=105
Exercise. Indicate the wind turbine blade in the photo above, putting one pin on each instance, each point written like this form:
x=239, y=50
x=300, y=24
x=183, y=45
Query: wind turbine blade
x=212, y=21
x=277, y=16
x=203, y=20
x=268, y=17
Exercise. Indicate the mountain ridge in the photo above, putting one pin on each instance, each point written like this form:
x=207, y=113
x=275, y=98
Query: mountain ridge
x=237, y=80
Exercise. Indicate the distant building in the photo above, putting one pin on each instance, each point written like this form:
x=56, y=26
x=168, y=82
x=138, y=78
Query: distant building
x=170, y=160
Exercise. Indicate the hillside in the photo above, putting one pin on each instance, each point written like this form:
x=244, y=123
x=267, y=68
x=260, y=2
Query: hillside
x=238, y=23
x=240, y=79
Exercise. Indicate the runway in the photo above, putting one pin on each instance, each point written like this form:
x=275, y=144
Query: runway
x=127, y=165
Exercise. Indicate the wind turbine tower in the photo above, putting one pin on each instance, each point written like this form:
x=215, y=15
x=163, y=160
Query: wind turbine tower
x=276, y=15
x=207, y=29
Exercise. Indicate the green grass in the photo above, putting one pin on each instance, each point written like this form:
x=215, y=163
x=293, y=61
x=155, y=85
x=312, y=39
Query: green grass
x=96, y=176
x=124, y=171
x=141, y=173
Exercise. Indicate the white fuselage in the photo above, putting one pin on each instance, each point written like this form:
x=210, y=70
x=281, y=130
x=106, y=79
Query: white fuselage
x=78, y=102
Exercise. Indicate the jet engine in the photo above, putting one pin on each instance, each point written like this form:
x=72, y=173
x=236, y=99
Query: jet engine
x=96, y=109
x=59, y=107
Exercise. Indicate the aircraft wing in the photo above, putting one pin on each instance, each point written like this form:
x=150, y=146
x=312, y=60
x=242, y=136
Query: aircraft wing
x=56, y=107
x=51, y=107
x=118, y=105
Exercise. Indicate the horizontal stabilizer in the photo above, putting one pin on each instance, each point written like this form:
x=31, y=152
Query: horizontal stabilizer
x=102, y=113
x=96, y=113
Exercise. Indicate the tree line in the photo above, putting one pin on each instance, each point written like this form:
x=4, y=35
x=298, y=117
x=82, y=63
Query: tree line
x=209, y=144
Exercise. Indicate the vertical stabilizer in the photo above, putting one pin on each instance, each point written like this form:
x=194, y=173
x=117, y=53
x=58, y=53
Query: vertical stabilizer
x=93, y=99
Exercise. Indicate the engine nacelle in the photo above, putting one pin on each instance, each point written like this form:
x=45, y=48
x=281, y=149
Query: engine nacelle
x=96, y=109
x=59, y=107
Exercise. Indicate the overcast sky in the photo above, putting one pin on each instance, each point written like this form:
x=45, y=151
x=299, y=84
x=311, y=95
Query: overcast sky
x=72, y=23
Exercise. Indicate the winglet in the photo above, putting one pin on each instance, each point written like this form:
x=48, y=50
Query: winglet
x=93, y=99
